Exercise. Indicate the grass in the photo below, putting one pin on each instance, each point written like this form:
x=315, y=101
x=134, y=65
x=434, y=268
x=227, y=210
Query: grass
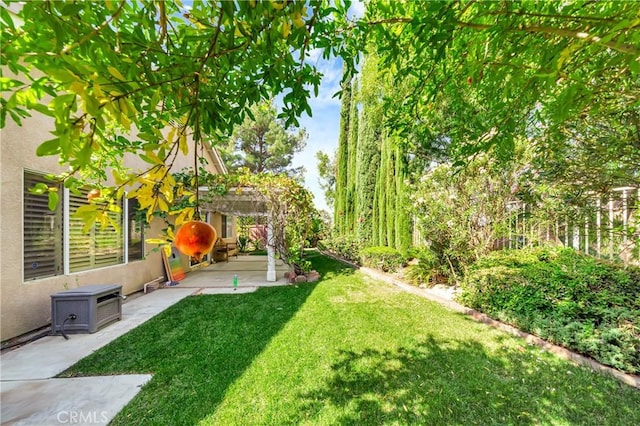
x=258, y=252
x=347, y=350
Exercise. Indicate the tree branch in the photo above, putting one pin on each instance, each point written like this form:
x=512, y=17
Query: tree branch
x=96, y=31
x=620, y=47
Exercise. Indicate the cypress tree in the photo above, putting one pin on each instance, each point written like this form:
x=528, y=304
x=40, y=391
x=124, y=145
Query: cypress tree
x=351, y=197
x=391, y=201
x=403, y=225
x=375, y=213
x=367, y=163
x=342, y=159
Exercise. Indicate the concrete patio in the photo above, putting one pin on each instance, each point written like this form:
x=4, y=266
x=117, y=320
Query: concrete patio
x=251, y=271
x=30, y=393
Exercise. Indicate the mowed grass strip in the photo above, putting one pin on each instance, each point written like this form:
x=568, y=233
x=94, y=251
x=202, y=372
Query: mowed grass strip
x=347, y=350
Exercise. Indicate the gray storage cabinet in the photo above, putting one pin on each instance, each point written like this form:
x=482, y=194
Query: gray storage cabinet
x=94, y=307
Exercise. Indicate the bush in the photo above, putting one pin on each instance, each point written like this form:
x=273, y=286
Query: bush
x=243, y=243
x=565, y=297
x=461, y=215
x=427, y=270
x=384, y=258
x=346, y=246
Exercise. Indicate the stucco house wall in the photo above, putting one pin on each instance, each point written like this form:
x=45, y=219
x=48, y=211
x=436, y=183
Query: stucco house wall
x=26, y=305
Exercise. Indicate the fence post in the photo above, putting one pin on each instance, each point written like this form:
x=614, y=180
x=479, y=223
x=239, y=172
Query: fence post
x=598, y=227
x=586, y=235
x=611, y=226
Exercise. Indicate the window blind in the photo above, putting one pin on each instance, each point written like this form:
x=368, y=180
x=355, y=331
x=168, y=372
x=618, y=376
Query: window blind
x=42, y=233
x=96, y=248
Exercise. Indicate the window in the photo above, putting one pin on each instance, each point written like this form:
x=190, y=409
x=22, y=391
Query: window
x=56, y=243
x=135, y=240
x=43, y=237
x=223, y=231
x=205, y=258
x=96, y=248
x=227, y=226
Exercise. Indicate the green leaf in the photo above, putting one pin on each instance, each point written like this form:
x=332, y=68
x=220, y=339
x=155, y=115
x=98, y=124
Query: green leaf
x=114, y=72
x=39, y=188
x=228, y=8
x=63, y=75
x=50, y=147
x=9, y=83
x=6, y=18
x=53, y=200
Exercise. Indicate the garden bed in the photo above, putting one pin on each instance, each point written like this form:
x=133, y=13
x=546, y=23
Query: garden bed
x=565, y=297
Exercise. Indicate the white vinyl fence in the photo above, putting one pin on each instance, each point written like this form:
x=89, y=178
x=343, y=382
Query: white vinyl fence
x=607, y=227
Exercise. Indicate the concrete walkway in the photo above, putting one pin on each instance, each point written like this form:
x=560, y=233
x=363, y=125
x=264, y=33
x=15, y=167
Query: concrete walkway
x=30, y=395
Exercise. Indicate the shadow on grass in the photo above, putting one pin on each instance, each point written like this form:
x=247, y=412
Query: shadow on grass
x=327, y=267
x=446, y=382
x=195, y=350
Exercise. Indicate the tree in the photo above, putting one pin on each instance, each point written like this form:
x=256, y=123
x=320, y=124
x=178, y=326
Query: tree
x=502, y=68
x=352, y=149
x=370, y=131
x=382, y=207
x=113, y=74
x=263, y=143
x=327, y=172
x=342, y=160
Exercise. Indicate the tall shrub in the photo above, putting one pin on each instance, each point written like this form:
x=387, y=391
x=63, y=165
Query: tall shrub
x=342, y=160
x=461, y=213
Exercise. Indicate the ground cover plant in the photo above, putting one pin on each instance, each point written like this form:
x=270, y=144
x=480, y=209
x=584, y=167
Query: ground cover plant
x=565, y=297
x=346, y=350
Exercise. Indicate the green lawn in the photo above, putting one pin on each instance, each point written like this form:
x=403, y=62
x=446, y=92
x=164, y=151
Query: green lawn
x=347, y=350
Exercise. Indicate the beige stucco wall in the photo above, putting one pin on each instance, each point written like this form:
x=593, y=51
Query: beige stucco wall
x=25, y=306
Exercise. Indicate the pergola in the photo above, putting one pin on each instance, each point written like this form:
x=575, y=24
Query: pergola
x=243, y=202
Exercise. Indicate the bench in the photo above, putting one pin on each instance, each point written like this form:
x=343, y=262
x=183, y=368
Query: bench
x=223, y=249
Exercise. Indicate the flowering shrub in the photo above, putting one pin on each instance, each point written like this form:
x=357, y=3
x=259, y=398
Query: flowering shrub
x=460, y=215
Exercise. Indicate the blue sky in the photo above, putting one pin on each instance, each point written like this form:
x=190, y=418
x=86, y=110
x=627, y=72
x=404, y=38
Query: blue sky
x=324, y=127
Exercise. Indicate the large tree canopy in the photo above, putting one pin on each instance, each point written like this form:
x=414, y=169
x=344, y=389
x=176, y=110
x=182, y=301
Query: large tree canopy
x=484, y=73
x=112, y=74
